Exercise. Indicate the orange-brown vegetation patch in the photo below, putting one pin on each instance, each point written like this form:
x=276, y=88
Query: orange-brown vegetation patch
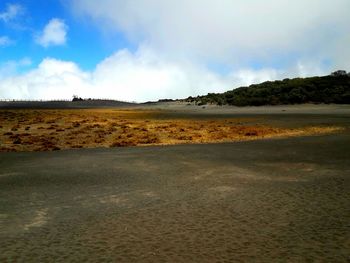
x=49, y=130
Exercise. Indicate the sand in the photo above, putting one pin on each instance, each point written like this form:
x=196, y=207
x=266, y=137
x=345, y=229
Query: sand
x=268, y=200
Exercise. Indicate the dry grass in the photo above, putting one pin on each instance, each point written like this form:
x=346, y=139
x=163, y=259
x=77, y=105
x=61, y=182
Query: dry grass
x=49, y=130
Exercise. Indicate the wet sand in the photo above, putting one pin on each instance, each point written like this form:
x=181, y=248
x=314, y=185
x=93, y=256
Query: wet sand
x=281, y=200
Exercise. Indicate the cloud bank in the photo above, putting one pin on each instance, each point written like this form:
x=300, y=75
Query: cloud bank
x=140, y=76
x=234, y=32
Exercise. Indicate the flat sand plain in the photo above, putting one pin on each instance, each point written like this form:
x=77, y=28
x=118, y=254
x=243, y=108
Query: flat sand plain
x=268, y=200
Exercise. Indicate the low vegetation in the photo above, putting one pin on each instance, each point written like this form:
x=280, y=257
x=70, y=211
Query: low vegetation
x=334, y=88
x=50, y=130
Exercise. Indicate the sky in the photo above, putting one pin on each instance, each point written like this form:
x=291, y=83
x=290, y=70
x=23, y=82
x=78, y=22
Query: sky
x=142, y=50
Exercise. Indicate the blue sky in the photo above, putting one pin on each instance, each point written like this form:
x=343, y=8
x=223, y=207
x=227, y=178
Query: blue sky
x=84, y=45
x=146, y=50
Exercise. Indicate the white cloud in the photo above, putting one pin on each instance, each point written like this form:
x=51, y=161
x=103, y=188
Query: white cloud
x=11, y=12
x=5, y=41
x=54, y=34
x=51, y=79
x=145, y=76
x=139, y=76
x=11, y=68
x=233, y=32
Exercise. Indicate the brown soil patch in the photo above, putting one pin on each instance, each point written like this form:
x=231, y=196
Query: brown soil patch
x=49, y=130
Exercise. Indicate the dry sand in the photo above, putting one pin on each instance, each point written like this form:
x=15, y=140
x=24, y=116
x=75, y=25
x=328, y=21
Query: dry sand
x=269, y=200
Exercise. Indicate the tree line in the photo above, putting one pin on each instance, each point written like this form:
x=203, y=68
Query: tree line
x=334, y=88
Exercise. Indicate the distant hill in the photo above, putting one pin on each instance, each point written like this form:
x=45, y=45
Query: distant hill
x=334, y=88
